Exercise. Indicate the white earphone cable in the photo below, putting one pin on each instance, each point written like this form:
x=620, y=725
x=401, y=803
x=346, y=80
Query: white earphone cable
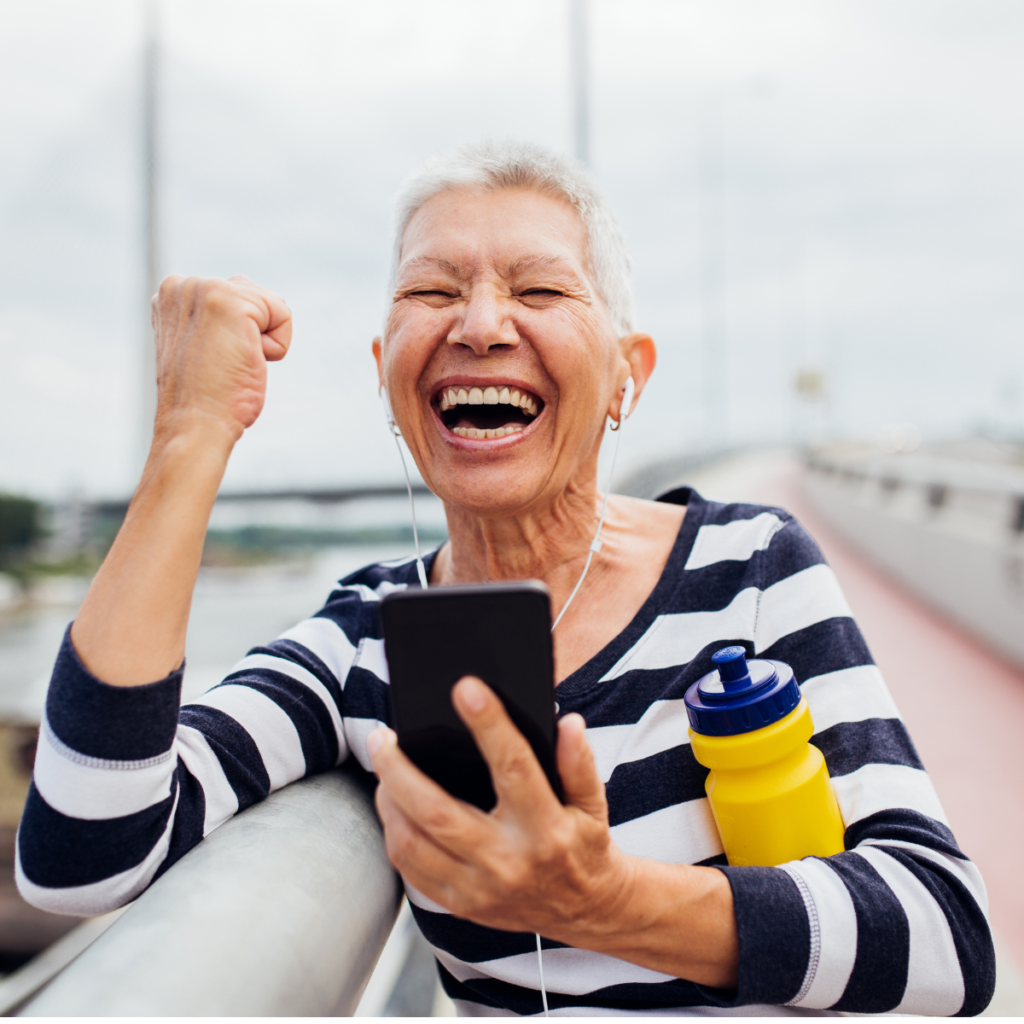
x=595, y=544
x=540, y=967
x=595, y=547
x=420, y=568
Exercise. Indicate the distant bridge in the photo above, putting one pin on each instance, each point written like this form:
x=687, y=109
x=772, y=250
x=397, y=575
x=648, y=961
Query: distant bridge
x=316, y=496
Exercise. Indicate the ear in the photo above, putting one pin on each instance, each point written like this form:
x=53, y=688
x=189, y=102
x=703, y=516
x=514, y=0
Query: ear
x=640, y=352
x=377, y=356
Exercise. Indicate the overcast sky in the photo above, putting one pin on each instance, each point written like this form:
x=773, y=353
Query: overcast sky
x=872, y=224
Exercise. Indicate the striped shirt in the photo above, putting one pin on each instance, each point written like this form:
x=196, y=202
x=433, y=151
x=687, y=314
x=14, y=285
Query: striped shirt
x=897, y=922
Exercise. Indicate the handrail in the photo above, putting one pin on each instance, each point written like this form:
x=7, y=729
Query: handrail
x=18, y=987
x=283, y=911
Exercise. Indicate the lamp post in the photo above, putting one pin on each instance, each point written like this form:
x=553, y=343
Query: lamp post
x=579, y=44
x=150, y=209
x=712, y=267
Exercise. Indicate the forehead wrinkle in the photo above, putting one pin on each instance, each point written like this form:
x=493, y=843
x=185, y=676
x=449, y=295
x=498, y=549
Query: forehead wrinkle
x=432, y=261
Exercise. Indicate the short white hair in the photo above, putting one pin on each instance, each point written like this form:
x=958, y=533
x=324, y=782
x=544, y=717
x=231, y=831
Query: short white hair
x=492, y=166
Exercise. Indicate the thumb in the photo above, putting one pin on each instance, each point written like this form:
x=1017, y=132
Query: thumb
x=578, y=770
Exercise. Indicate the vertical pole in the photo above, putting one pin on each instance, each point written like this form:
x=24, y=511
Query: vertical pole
x=580, y=49
x=150, y=220
x=712, y=272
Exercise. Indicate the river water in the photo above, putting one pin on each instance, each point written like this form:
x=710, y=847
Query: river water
x=233, y=609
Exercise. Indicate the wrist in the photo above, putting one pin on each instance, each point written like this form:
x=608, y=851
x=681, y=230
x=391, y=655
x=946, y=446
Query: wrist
x=674, y=918
x=610, y=904
x=197, y=428
x=202, y=445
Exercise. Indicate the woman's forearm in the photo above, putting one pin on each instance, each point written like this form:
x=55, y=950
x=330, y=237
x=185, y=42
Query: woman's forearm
x=673, y=918
x=213, y=341
x=131, y=627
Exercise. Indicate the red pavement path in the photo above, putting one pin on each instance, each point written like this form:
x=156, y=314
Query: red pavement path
x=963, y=706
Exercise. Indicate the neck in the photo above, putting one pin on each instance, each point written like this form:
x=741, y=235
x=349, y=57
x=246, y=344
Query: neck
x=548, y=543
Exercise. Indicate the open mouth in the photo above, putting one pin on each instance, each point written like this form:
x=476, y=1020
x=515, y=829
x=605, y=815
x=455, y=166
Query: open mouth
x=490, y=412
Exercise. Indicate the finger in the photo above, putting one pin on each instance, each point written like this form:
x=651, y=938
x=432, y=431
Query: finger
x=422, y=863
x=408, y=845
x=166, y=291
x=452, y=824
x=578, y=769
x=275, y=323
x=518, y=777
x=277, y=334
x=277, y=342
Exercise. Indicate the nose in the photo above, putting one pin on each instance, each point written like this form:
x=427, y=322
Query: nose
x=486, y=323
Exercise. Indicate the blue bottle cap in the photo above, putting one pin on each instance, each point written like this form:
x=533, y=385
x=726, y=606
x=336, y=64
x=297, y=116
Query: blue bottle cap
x=739, y=695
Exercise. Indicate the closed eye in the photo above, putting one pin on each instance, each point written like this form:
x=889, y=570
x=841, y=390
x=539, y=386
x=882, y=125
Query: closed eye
x=433, y=298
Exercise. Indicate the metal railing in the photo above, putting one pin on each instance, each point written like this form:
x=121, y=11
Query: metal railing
x=282, y=911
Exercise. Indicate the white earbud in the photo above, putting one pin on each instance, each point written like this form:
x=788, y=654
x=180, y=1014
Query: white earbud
x=627, y=399
x=629, y=390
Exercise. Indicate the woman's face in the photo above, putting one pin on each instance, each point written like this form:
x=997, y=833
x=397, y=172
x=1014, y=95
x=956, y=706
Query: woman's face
x=499, y=357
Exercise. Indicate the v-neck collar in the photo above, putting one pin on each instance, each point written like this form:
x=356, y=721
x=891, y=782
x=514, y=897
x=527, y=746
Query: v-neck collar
x=589, y=674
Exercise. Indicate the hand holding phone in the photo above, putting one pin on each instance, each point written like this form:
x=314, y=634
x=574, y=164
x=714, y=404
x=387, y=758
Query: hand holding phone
x=498, y=632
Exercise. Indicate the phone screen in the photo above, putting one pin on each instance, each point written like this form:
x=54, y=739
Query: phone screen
x=499, y=632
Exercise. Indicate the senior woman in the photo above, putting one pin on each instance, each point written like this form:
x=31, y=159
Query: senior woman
x=507, y=344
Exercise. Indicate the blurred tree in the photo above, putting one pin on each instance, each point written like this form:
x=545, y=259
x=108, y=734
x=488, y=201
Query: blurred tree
x=20, y=528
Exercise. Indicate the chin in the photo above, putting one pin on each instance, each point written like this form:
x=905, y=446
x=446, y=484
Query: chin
x=488, y=493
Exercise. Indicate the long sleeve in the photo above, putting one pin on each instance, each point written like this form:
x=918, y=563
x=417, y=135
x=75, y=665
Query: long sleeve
x=126, y=782
x=899, y=921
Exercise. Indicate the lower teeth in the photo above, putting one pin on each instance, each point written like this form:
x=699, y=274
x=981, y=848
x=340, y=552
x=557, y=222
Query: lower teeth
x=476, y=434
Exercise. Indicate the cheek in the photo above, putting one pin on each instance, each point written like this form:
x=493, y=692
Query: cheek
x=411, y=334
x=404, y=358
x=577, y=353
x=582, y=395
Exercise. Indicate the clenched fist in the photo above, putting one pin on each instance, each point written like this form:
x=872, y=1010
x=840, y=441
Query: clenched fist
x=213, y=341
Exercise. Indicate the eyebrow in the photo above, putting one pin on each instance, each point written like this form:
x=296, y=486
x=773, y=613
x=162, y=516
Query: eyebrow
x=511, y=269
x=528, y=262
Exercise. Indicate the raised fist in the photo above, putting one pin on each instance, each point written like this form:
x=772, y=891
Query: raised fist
x=213, y=341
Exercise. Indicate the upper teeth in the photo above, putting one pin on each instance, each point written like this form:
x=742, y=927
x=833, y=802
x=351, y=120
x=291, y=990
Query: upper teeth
x=452, y=397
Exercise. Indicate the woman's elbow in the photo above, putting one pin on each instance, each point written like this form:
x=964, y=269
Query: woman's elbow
x=75, y=900
x=81, y=875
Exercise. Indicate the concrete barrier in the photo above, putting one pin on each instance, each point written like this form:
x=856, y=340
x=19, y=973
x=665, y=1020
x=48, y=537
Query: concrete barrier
x=951, y=533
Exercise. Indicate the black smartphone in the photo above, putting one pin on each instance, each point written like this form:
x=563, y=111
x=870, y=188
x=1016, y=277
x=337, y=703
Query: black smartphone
x=499, y=632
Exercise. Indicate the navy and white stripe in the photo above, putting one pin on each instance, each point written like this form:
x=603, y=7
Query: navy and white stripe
x=124, y=785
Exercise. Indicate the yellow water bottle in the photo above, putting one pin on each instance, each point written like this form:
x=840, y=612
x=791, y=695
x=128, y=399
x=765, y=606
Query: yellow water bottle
x=769, y=788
